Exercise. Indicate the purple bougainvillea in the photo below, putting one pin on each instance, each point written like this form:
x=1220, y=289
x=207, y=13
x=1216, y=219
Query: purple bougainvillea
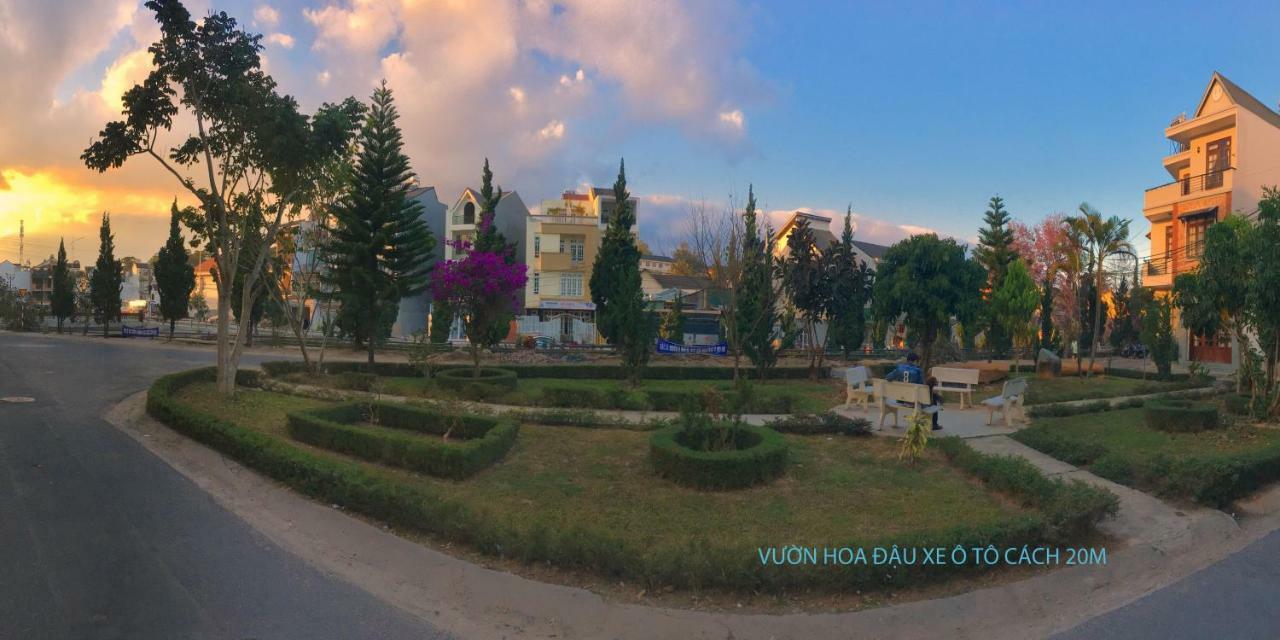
x=483, y=288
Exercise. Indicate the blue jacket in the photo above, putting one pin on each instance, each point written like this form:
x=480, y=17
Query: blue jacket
x=906, y=372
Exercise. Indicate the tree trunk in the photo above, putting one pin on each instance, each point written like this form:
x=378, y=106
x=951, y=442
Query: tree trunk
x=172, y=322
x=369, y=341
x=1097, y=318
x=106, y=328
x=226, y=380
x=59, y=326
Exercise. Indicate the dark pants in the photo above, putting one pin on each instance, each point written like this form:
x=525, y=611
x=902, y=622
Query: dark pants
x=937, y=402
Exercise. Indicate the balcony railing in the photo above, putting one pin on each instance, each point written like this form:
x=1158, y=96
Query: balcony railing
x=587, y=220
x=1158, y=265
x=459, y=218
x=1176, y=147
x=1203, y=182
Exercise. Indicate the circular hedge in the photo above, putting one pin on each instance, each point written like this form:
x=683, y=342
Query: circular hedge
x=461, y=378
x=1179, y=415
x=760, y=454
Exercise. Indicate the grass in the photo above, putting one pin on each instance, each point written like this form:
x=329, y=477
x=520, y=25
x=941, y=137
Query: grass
x=836, y=489
x=808, y=396
x=1068, y=388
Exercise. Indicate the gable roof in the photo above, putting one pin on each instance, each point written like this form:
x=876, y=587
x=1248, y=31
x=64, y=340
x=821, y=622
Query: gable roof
x=1240, y=97
x=876, y=251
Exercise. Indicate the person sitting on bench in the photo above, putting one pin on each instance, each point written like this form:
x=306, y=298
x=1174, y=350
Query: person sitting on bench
x=936, y=397
x=907, y=371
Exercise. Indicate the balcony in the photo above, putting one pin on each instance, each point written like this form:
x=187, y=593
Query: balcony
x=460, y=218
x=585, y=220
x=555, y=261
x=1194, y=186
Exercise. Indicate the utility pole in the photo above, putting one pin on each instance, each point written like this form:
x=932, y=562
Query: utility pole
x=22, y=237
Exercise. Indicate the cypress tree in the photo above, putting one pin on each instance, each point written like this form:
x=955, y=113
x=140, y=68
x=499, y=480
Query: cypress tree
x=62, y=302
x=108, y=275
x=621, y=315
x=488, y=238
x=1048, y=334
x=995, y=253
x=851, y=281
x=175, y=277
x=757, y=305
x=672, y=329
x=380, y=248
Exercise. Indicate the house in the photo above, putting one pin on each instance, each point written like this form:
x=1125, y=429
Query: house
x=867, y=252
x=699, y=302
x=16, y=277
x=560, y=243
x=657, y=264
x=415, y=311
x=42, y=279
x=207, y=284
x=1219, y=160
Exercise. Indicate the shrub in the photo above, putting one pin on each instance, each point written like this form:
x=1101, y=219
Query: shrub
x=1053, y=442
x=581, y=371
x=1146, y=375
x=1180, y=415
x=456, y=379
x=807, y=424
x=759, y=455
x=480, y=441
x=355, y=380
x=1071, y=509
x=1237, y=404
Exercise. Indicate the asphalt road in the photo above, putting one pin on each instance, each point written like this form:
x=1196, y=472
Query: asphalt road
x=100, y=539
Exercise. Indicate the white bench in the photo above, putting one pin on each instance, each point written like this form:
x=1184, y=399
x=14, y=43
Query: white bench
x=1012, y=395
x=957, y=380
x=857, y=386
x=891, y=396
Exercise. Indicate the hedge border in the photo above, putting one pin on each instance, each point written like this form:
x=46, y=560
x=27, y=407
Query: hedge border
x=461, y=378
x=278, y=368
x=1179, y=415
x=701, y=564
x=737, y=469
x=482, y=441
x=567, y=397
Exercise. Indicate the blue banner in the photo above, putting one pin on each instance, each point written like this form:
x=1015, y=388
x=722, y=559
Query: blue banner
x=665, y=346
x=139, y=332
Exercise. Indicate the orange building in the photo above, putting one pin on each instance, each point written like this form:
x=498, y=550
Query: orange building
x=1220, y=159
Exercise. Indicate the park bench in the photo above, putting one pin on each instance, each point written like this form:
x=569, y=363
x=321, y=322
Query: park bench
x=892, y=396
x=957, y=380
x=1012, y=395
x=857, y=386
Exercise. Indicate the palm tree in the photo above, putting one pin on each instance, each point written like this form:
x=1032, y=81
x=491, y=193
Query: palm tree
x=1102, y=238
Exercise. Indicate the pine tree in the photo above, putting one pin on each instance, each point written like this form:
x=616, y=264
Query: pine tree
x=757, y=305
x=672, y=329
x=62, y=302
x=995, y=252
x=621, y=316
x=380, y=248
x=805, y=278
x=175, y=277
x=108, y=275
x=851, y=282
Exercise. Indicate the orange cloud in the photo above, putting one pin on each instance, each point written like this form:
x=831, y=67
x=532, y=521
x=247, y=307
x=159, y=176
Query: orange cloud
x=46, y=200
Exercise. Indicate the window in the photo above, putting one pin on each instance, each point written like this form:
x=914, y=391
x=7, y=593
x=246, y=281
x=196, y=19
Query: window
x=1195, y=236
x=469, y=213
x=537, y=247
x=537, y=282
x=574, y=246
x=1217, y=160
x=571, y=284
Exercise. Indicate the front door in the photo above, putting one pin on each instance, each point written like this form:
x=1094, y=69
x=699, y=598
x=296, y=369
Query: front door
x=1215, y=348
x=1217, y=160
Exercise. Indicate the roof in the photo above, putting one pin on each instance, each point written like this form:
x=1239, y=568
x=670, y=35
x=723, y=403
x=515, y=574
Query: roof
x=1241, y=98
x=825, y=223
x=417, y=191
x=658, y=258
x=206, y=265
x=672, y=281
x=876, y=251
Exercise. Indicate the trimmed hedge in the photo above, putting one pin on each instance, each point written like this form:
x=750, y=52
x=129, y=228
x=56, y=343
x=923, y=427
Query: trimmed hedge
x=761, y=456
x=1180, y=416
x=658, y=400
x=459, y=379
x=1071, y=509
x=576, y=371
x=808, y=424
x=1147, y=375
x=723, y=563
x=1237, y=404
x=480, y=441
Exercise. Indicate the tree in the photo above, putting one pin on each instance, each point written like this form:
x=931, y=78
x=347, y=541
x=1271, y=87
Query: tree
x=851, y=282
x=62, y=301
x=480, y=287
x=199, y=306
x=379, y=248
x=1157, y=335
x=995, y=252
x=715, y=242
x=1215, y=296
x=1013, y=304
x=755, y=313
x=621, y=315
x=686, y=261
x=672, y=329
x=108, y=275
x=488, y=238
x=1102, y=238
x=1126, y=321
x=930, y=281
x=174, y=274
x=255, y=153
x=806, y=280
x=1263, y=293
x=441, y=322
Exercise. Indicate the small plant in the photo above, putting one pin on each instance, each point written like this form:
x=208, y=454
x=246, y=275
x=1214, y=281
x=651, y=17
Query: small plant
x=916, y=439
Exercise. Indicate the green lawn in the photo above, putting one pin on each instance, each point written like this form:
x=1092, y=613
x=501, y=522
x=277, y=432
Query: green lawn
x=1067, y=388
x=1213, y=467
x=836, y=489
x=807, y=396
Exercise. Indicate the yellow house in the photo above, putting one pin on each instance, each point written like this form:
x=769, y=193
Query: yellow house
x=1219, y=161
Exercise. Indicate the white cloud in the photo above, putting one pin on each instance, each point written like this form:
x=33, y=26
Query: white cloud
x=282, y=39
x=323, y=78
x=363, y=26
x=517, y=95
x=733, y=119
x=266, y=16
x=553, y=131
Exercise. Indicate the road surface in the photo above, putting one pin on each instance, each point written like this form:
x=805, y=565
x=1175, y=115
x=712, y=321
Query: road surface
x=101, y=539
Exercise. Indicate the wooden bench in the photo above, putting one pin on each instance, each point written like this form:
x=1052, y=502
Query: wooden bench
x=857, y=386
x=1011, y=396
x=891, y=396
x=957, y=380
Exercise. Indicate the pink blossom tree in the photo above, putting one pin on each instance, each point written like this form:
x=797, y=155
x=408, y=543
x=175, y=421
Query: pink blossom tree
x=483, y=289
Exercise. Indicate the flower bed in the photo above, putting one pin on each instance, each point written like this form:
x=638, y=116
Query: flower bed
x=402, y=436
x=460, y=379
x=758, y=455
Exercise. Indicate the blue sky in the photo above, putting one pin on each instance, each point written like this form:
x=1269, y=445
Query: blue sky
x=913, y=113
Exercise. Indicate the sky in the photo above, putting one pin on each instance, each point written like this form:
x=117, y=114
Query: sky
x=913, y=114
